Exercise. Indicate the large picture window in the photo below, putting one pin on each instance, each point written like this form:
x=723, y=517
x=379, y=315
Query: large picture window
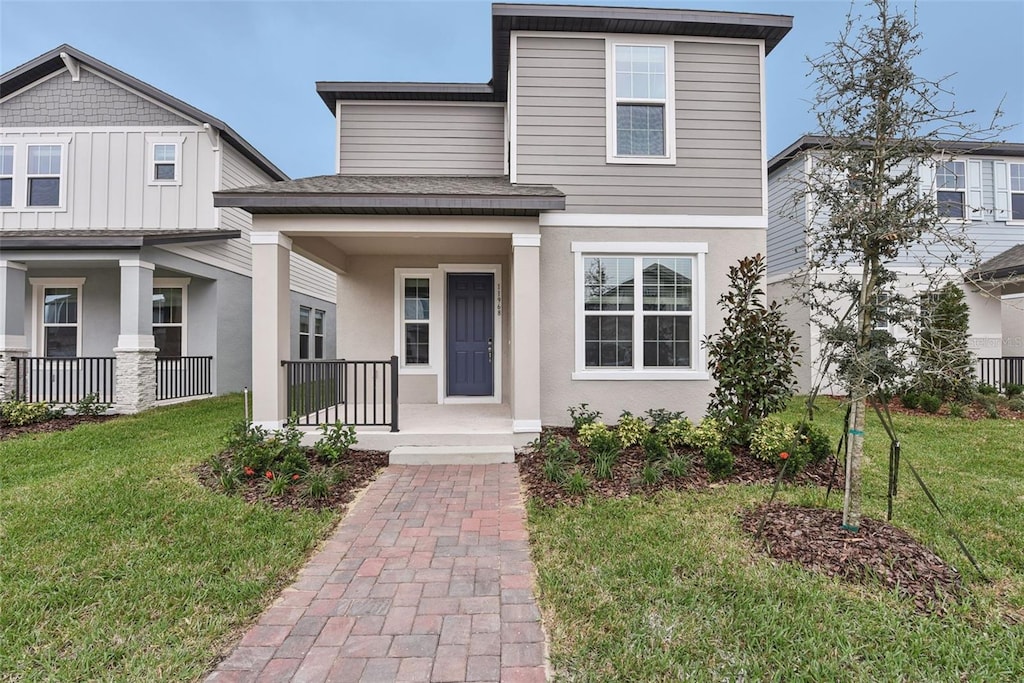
x=641, y=115
x=169, y=321
x=638, y=313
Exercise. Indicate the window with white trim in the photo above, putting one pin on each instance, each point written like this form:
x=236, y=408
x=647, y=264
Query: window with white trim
x=641, y=112
x=416, y=321
x=164, y=163
x=44, y=175
x=169, y=321
x=652, y=328
x=882, y=319
x=1017, y=192
x=304, y=315
x=60, y=316
x=6, y=175
x=318, y=333
x=950, y=189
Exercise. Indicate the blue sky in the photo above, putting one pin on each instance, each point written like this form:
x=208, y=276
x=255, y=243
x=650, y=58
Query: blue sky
x=254, y=64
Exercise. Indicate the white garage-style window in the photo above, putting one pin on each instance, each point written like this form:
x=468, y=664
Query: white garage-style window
x=641, y=102
x=639, y=310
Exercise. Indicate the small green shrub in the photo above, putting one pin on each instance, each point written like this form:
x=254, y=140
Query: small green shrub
x=560, y=449
x=991, y=410
x=718, y=460
x=660, y=417
x=710, y=433
x=576, y=484
x=1013, y=390
x=587, y=432
x=336, y=442
x=90, y=405
x=317, y=485
x=930, y=403
x=554, y=470
x=631, y=429
x=771, y=437
x=605, y=444
x=676, y=432
x=655, y=448
x=651, y=474
x=678, y=465
x=815, y=441
x=910, y=400
x=603, y=465
x=957, y=409
x=987, y=390
x=583, y=415
x=276, y=485
x=21, y=413
x=228, y=481
x=338, y=475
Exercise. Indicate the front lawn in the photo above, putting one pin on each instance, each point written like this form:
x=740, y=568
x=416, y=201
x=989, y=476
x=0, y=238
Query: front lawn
x=670, y=588
x=116, y=564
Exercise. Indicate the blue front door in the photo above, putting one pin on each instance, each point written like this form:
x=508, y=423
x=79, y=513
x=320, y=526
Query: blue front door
x=470, y=334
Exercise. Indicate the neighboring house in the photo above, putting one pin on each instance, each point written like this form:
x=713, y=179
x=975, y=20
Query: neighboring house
x=979, y=186
x=118, y=276
x=490, y=235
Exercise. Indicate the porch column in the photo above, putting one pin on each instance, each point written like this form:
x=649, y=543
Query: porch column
x=13, y=340
x=135, y=354
x=271, y=326
x=526, y=332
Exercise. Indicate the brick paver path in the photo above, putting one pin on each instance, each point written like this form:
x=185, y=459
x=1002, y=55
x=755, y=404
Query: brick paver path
x=428, y=578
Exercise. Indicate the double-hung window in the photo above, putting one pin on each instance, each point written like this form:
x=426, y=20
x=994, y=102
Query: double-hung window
x=1017, y=192
x=318, y=333
x=169, y=321
x=639, y=314
x=165, y=162
x=950, y=189
x=6, y=175
x=416, y=320
x=44, y=175
x=60, y=321
x=641, y=116
x=304, y=315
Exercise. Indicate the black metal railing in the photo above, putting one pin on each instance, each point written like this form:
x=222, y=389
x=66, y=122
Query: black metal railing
x=183, y=377
x=998, y=372
x=64, y=380
x=363, y=393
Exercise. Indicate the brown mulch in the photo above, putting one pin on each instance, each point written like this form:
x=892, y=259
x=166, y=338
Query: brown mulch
x=878, y=553
x=361, y=468
x=625, y=479
x=59, y=424
x=972, y=411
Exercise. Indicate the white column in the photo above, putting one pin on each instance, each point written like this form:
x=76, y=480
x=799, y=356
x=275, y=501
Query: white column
x=271, y=326
x=13, y=340
x=526, y=333
x=135, y=354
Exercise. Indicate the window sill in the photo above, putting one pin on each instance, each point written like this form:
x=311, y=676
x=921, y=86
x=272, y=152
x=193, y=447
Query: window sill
x=417, y=370
x=665, y=161
x=641, y=375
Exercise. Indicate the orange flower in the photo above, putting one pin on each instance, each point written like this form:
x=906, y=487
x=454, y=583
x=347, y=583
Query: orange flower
x=783, y=455
x=248, y=471
x=295, y=477
x=270, y=475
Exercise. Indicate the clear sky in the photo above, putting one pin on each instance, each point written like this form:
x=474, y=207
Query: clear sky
x=254, y=64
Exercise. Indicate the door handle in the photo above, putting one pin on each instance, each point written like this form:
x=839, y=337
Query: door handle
x=490, y=350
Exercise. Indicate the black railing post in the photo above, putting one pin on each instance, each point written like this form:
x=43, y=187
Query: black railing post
x=394, y=393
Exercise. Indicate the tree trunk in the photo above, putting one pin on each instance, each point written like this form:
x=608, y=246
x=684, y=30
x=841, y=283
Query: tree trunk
x=854, y=457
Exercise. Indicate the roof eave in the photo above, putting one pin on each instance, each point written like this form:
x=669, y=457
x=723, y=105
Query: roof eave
x=375, y=202
x=43, y=241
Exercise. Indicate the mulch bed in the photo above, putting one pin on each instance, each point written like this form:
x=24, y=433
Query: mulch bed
x=972, y=411
x=878, y=553
x=361, y=467
x=625, y=475
x=59, y=424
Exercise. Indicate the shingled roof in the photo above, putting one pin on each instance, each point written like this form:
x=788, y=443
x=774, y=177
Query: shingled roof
x=106, y=239
x=380, y=194
x=1008, y=264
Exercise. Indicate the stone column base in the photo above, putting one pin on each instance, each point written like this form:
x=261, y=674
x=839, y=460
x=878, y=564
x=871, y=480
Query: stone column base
x=8, y=370
x=135, y=380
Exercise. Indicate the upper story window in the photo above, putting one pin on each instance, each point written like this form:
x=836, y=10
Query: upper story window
x=641, y=114
x=164, y=167
x=1017, y=192
x=951, y=186
x=44, y=175
x=6, y=175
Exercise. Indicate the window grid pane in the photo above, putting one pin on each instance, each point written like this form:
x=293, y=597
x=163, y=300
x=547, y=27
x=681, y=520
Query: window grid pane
x=167, y=305
x=608, y=284
x=950, y=176
x=164, y=153
x=168, y=340
x=6, y=192
x=950, y=204
x=417, y=299
x=6, y=159
x=318, y=322
x=667, y=341
x=61, y=342
x=60, y=306
x=1017, y=177
x=417, y=344
x=640, y=130
x=44, y=191
x=608, y=341
x=1018, y=206
x=668, y=284
x=44, y=159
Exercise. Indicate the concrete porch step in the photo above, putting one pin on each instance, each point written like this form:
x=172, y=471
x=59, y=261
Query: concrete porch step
x=451, y=455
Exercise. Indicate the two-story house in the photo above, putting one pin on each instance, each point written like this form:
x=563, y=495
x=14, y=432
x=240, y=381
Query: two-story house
x=556, y=236
x=978, y=189
x=118, y=276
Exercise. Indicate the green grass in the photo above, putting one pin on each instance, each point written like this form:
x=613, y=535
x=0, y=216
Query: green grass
x=685, y=596
x=115, y=564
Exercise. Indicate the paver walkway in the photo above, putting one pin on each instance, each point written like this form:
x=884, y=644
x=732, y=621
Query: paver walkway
x=428, y=578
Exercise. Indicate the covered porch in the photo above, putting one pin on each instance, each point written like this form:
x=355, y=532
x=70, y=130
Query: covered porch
x=438, y=307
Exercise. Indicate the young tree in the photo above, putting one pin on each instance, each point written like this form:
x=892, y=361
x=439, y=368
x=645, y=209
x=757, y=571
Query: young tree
x=882, y=124
x=945, y=365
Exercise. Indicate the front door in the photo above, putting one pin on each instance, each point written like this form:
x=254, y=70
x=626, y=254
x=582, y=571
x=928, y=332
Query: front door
x=470, y=334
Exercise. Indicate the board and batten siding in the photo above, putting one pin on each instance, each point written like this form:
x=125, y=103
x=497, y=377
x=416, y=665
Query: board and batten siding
x=787, y=215
x=561, y=108
x=421, y=139
x=106, y=178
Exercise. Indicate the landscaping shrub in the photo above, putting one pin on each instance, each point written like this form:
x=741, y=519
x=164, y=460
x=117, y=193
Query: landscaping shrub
x=987, y=390
x=752, y=357
x=956, y=409
x=718, y=460
x=90, y=405
x=589, y=431
x=676, y=433
x=708, y=434
x=771, y=437
x=655, y=448
x=1016, y=404
x=930, y=403
x=815, y=440
x=582, y=415
x=21, y=413
x=631, y=429
x=560, y=450
x=336, y=442
x=603, y=464
x=678, y=465
x=945, y=365
x=660, y=417
x=317, y=485
x=605, y=444
x=576, y=484
x=651, y=474
x=1013, y=390
x=910, y=400
x=554, y=470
